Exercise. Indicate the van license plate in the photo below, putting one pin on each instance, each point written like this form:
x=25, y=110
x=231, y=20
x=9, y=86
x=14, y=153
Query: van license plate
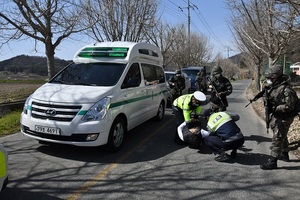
x=48, y=130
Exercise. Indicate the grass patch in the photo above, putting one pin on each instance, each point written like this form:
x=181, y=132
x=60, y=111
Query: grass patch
x=10, y=123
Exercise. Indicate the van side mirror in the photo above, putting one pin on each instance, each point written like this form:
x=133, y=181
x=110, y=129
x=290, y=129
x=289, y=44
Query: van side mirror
x=133, y=82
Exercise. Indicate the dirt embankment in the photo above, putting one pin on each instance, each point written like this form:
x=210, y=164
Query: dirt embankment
x=16, y=91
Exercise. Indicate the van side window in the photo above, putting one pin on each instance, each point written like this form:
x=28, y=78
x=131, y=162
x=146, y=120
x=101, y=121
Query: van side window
x=133, y=77
x=153, y=74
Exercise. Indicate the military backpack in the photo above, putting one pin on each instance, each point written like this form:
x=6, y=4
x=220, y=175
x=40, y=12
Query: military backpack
x=296, y=110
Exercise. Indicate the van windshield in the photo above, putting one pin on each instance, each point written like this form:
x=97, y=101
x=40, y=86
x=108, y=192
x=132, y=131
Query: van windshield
x=94, y=74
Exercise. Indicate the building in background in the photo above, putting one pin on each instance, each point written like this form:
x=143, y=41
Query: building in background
x=296, y=68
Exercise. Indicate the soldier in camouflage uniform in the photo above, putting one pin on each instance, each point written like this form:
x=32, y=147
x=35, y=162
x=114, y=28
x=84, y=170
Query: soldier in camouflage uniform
x=199, y=81
x=177, y=85
x=281, y=102
x=221, y=88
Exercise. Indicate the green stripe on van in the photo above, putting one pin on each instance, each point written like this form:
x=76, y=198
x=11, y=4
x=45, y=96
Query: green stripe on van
x=120, y=103
x=82, y=112
x=113, y=105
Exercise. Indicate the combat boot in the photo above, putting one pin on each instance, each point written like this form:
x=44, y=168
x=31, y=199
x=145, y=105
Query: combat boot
x=222, y=157
x=285, y=157
x=233, y=153
x=271, y=164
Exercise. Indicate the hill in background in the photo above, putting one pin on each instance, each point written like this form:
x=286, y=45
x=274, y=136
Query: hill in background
x=30, y=65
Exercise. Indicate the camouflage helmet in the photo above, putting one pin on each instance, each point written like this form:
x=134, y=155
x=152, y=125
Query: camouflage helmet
x=177, y=71
x=216, y=70
x=274, y=72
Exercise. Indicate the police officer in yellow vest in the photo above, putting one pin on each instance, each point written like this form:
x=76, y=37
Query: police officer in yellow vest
x=187, y=108
x=223, y=134
x=3, y=168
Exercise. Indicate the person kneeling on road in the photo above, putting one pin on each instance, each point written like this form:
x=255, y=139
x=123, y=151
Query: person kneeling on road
x=223, y=134
x=191, y=136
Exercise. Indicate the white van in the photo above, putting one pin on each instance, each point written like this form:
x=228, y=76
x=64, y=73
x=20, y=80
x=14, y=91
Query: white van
x=110, y=88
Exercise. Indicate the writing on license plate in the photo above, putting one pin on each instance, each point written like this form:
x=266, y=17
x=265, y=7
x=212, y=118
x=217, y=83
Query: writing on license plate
x=48, y=130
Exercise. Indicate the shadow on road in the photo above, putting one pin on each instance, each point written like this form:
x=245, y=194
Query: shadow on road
x=144, y=141
x=16, y=193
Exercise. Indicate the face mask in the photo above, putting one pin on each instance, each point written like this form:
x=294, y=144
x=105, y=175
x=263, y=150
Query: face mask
x=217, y=76
x=269, y=82
x=196, y=104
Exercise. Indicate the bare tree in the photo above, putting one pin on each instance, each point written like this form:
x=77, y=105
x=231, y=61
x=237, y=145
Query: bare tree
x=122, y=20
x=200, y=49
x=173, y=43
x=294, y=3
x=163, y=36
x=242, y=32
x=48, y=21
x=265, y=28
x=230, y=70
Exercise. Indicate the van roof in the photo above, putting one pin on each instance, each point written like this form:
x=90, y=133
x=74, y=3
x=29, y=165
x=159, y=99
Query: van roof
x=120, y=52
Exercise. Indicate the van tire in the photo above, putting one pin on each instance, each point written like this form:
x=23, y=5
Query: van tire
x=161, y=112
x=116, y=135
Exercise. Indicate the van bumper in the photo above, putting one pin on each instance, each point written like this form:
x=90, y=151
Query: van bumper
x=78, y=134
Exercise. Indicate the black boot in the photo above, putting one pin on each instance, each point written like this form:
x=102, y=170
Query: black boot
x=285, y=157
x=271, y=164
x=222, y=157
x=233, y=153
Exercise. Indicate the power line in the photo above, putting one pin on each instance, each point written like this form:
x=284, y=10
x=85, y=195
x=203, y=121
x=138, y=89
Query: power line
x=206, y=25
x=173, y=8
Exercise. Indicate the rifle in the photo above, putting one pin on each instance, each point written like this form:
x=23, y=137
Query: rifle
x=259, y=95
x=265, y=95
x=214, y=88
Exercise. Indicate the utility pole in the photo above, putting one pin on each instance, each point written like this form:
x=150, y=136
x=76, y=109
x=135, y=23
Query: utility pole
x=189, y=33
x=228, y=49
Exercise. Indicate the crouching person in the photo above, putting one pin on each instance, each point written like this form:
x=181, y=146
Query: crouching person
x=191, y=135
x=187, y=108
x=223, y=134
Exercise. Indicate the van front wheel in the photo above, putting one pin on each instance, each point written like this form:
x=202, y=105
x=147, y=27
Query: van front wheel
x=116, y=135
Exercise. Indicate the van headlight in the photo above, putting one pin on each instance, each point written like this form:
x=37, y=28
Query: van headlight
x=26, y=106
x=97, y=111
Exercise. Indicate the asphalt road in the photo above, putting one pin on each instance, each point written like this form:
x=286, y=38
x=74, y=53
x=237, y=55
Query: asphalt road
x=151, y=166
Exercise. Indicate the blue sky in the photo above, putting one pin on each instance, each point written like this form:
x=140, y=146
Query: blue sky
x=207, y=17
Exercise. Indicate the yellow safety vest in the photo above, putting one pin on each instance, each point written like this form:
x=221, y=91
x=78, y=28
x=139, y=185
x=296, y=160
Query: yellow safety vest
x=217, y=119
x=2, y=164
x=182, y=102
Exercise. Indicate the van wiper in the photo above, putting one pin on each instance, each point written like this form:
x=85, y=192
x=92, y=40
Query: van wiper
x=59, y=81
x=84, y=83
